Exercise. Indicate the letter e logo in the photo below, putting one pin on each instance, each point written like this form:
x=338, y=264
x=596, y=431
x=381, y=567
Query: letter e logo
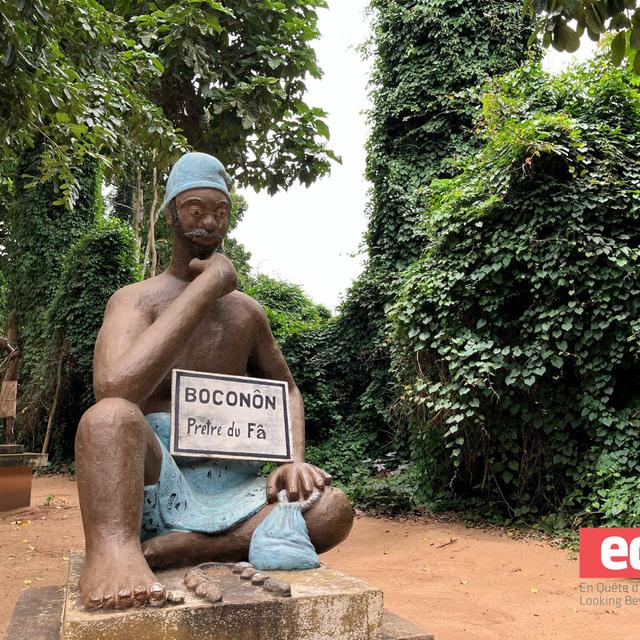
x=614, y=547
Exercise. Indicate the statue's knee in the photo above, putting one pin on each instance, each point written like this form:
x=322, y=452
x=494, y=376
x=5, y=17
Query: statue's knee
x=105, y=417
x=343, y=513
x=330, y=520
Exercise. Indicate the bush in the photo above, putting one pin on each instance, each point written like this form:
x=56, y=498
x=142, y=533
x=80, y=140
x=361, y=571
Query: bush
x=289, y=309
x=517, y=330
x=99, y=264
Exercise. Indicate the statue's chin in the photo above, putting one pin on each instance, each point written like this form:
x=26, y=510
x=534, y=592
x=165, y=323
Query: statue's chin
x=200, y=250
x=204, y=252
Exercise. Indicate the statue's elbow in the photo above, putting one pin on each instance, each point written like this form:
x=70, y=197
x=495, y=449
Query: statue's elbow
x=113, y=388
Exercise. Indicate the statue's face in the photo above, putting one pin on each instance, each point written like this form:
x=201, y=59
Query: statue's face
x=201, y=217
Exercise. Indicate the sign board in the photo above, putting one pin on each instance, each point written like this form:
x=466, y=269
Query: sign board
x=221, y=416
x=8, y=395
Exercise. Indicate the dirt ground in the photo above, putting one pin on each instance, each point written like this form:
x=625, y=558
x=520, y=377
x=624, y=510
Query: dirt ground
x=457, y=583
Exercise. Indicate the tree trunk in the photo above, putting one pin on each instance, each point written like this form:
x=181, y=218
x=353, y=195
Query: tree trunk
x=151, y=242
x=137, y=212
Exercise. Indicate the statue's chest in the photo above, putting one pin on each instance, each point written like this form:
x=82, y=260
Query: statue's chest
x=221, y=343
x=216, y=346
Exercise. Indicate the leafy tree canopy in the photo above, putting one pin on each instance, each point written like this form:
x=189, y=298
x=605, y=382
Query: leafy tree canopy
x=122, y=78
x=72, y=79
x=234, y=81
x=561, y=23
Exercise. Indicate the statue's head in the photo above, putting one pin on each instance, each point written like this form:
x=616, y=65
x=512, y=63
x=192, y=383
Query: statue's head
x=198, y=203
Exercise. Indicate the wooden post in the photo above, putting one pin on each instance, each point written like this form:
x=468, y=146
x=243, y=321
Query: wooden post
x=56, y=397
x=9, y=389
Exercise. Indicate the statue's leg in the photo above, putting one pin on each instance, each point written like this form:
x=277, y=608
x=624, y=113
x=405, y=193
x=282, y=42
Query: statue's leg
x=328, y=521
x=116, y=455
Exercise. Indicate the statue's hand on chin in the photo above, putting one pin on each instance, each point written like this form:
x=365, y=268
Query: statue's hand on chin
x=218, y=267
x=298, y=478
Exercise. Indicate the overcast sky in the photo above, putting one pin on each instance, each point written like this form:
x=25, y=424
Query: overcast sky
x=310, y=236
x=313, y=236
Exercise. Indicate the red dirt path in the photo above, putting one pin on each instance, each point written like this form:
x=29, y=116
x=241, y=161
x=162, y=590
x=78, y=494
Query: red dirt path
x=458, y=583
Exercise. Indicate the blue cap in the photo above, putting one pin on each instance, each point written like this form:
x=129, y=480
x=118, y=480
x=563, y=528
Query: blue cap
x=196, y=170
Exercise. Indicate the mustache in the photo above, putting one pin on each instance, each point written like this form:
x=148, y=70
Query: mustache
x=202, y=233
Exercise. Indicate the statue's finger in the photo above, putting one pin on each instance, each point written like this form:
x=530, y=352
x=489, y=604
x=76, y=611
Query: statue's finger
x=272, y=488
x=196, y=265
x=307, y=481
x=293, y=491
x=319, y=479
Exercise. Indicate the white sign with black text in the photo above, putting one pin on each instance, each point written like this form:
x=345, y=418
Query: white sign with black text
x=234, y=417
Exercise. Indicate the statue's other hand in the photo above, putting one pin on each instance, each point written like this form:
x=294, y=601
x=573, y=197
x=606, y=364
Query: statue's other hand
x=220, y=267
x=298, y=478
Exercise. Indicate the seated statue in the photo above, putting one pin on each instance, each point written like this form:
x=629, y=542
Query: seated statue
x=141, y=508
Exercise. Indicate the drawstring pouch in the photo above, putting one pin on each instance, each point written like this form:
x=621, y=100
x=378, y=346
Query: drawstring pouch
x=281, y=541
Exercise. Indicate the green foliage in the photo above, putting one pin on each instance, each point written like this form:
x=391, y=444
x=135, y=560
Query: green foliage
x=73, y=78
x=305, y=354
x=96, y=266
x=4, y=310
x=430, y=57
x=120, y=81
x=250, y=60
x=393, y=490
x=38, y=236
x=517, y=328
x=289, y=309
x=370, y=484
x=343, y=376
x=619, y=18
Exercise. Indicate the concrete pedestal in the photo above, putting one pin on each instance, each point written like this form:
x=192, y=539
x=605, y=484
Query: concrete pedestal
x=16, y=469
x=324, y=605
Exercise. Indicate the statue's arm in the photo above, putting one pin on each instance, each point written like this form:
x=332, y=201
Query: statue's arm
x=134, y=352
x=267, y=361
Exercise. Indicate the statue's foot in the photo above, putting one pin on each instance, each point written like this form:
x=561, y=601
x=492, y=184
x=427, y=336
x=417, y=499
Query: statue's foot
x=162, y=552
x=118, y=577
x=180, y=548
x=203, y=585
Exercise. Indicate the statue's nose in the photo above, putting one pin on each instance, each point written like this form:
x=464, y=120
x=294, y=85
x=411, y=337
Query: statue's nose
x=208, y=222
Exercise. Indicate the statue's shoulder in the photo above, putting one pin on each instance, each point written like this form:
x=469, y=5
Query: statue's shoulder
x=130, y=291
x=136, y=293
x=249, y=305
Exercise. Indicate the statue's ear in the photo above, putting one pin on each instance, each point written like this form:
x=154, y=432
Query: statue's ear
x=167, y=212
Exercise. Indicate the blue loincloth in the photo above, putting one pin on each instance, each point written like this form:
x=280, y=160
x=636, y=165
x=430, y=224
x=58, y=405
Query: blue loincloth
x=195, y=494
